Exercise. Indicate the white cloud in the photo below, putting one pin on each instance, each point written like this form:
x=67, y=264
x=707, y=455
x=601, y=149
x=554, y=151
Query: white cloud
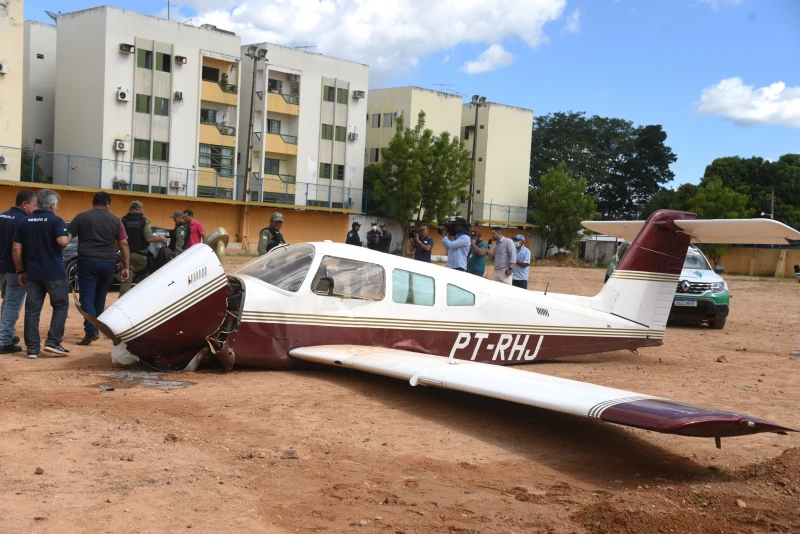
x=573, y=23
x=492, y=58
x=389, y=35
x=715, y=4
x=745, y=105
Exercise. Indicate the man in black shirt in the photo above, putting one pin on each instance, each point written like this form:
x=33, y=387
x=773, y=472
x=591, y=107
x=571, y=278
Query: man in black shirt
x=423, y=243
x=372, y=237
x=140, y=235
x=352, y=236
x=13, y=292
x=98, y=232
x=270, y=237
x=385, y=239
x=39, y=241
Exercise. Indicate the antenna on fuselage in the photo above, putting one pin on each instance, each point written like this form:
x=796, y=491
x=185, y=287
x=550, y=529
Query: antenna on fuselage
x=545, y=287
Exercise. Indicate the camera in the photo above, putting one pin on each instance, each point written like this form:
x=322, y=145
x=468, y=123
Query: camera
x=412, y=233
x=457, y=226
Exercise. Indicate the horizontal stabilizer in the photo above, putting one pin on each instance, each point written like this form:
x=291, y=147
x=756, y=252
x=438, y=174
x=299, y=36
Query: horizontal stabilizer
x=728, y=231
x=543, y=391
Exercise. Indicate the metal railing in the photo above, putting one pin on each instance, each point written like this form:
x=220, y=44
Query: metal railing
x=224, y=129
x=288, y=139
x=227, y=88
x=291, y=99
x=498, y=212
x=286, y=178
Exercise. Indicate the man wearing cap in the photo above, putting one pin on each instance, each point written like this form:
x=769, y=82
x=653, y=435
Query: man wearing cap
x=373, y=238
x=352, y=236
x=197, y=232
x=520, y=276
x=385, y=239
x=177, y=236
x=140, y=235
x=270, y=237
x=98, y=232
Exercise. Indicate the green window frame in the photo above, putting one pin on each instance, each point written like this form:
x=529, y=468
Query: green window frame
x=161, y=106
x=341, y=96
x=273, y=126
x=142, y=103
x=141, y=149
x=327, y=132
x=272, y=166
x=413, y=288
x=144, y=59
x=328, y=93
x=160, y=151
x=338, y=172
x=325, y=170
x=219, y=158
x=208, y=116
x=163, y=62
x=341, y=133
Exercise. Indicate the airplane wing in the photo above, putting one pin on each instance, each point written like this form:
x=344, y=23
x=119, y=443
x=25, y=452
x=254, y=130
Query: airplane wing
x=730, y=231
x=543, y=391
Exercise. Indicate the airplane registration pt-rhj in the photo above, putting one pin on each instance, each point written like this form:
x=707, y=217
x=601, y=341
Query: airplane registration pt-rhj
x=327, y=303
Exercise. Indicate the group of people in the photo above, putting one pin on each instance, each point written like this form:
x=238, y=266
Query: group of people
x=32, y=239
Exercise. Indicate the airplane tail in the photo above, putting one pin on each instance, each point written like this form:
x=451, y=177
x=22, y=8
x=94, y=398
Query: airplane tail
x=642, y=286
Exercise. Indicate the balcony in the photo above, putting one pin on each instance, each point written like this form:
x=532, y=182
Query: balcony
x=287, y=104
x=207, y=177
x=285, y=178
x=218, y=92
x=281, y=144
x=217, y=134
x=278, y=183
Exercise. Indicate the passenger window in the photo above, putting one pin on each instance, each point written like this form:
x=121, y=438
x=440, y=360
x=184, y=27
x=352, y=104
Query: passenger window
x=412, y=288
x=350, y=279
x=459, y=297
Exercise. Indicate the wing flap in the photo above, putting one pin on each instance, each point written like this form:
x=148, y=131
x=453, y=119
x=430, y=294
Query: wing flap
x=542, y=391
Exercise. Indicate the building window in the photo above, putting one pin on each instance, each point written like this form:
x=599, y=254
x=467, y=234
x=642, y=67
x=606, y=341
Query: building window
x=208, y=116
x=142, y=103
x=373, y=155
x=210, y=74
x=327, y=132
x=338, y=172
x=387, y=120
x=341, y=133
x=163, y=62
x=144, y=59
x=161, y=107
x=160, y=151
x=272, y=166
x=219, y=158
x=273, y=126
x=412, y=288
x=325, y=170
x=328, y=93
x=141, y=148
x=376, y=121
x=39, y=56
x=40, y=99
x=37, y=141
x=158, y=190
x=341, y=96
x=275, y=86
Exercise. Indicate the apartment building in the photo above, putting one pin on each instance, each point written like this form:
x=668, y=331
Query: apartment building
x=308, y=127
x=11, y=72
x=39, y=93
x=442, y=114
x=148, y=104
x=502, y=163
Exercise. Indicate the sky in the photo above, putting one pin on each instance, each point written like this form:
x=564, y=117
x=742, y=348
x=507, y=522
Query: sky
x=720, y=76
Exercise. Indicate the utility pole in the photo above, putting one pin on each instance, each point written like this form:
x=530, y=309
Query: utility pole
x=256, y=54
x=478, y=102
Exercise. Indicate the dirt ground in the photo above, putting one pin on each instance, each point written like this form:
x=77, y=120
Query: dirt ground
x=336, y=450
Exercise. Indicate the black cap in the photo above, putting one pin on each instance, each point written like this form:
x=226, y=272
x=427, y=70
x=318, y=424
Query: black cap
x=383, y=225
x=356, y=223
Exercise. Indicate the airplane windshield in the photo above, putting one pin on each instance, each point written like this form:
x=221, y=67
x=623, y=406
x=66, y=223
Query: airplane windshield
x=696, y=260
x=284, y=268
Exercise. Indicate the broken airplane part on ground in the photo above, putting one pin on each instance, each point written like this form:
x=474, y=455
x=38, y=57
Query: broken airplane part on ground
x=335, y=304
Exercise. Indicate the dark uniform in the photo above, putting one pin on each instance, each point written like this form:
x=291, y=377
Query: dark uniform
x=353, y=238
x=384, y=241
x=139, y=235
x=268, y=239
x=373, y=236
x=177, y=237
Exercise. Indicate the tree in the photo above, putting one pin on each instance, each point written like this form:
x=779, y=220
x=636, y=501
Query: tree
x=25, y=166
x=560, y=204
x=623, y=165
x=670, y=199
x=446, y=176
x=715, y=201
x=370, y=204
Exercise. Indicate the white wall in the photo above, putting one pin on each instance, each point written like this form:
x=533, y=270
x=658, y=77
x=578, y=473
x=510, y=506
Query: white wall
x=38, y=118
x=11, y=47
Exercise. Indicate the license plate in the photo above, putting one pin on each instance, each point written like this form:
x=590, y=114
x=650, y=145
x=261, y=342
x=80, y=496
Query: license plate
x=688, y=303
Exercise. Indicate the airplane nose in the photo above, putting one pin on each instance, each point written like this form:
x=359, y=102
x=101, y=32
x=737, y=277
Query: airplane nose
x=166, y=319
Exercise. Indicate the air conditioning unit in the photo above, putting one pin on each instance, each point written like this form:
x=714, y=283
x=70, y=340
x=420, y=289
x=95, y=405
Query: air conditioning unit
x=3, y=160
x=126, y=48
x=3, y=68
x=353, y=136
x=359, y=94
x=398, y=113
x=176, y=184
x=179, y=95
x=123, y=95
x=181, y=60
x=120, y=146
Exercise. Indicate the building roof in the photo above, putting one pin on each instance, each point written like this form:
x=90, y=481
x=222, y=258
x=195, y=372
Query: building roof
x=205, y=27
x=421, y=89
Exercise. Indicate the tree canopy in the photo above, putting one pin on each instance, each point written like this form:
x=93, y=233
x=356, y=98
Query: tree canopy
x=623, y=165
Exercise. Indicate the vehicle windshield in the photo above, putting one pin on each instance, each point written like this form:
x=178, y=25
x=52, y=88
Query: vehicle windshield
x=696, y=260
x=284, y=268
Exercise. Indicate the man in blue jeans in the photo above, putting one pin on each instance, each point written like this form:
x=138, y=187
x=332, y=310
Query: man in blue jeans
x=37, y=251
x=13, y=292
x=98, y=232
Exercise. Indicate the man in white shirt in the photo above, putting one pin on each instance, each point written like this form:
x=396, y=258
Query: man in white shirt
x=520, y=276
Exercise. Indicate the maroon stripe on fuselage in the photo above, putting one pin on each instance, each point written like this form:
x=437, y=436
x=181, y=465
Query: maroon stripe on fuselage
x=659, y=247
x=670, y=417
x=268, y=344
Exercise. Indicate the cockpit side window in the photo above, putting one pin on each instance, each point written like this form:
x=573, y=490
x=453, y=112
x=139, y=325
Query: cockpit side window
x=350, y=279
x=459, y=297
x=284, y=268
x=412, y=288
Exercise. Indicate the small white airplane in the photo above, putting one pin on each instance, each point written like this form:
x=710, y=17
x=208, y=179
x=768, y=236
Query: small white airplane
x=334, y=304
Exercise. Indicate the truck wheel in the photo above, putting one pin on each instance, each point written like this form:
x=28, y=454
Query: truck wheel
x=718, y=323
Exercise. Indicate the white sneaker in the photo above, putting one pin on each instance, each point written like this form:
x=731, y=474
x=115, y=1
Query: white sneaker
x=33, y=355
